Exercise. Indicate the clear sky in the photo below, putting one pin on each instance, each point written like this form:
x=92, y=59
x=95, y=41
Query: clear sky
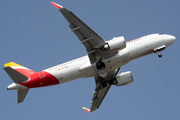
x=36, y=35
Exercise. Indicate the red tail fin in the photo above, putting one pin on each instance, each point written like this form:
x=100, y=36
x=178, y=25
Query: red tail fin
x=23, y=70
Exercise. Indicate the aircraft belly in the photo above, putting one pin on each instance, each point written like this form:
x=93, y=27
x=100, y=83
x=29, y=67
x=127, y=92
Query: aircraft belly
x=69, y=74
x=147, y=47
x=117, y=61
x=65, y=74
x=140, y=50
x=88, y=70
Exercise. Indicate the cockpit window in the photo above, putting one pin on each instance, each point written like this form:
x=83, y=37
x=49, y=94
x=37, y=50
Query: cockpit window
x=161, y=34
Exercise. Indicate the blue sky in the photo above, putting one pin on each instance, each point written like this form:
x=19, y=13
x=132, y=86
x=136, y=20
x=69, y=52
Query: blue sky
x=36, y=35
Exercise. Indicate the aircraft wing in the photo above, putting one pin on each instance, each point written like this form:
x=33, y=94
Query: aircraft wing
x=90, y=39
x=99, y=94
x=100, y=91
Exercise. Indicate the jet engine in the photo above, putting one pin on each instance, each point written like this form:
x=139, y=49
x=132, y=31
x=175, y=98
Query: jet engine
x=117, y=43
x=124, y=79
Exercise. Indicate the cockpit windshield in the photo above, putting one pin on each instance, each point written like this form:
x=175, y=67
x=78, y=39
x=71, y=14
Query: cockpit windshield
x=161, y=34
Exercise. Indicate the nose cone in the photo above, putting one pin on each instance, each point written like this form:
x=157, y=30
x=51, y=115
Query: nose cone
x=169, y=39
x=173, y=39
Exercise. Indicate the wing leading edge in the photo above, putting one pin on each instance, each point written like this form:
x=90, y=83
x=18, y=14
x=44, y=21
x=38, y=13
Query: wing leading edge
x=90, y=39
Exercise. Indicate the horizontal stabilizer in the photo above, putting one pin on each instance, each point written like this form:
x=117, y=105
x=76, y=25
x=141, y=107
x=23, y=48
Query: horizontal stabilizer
x=16, y=76
x=22, y=94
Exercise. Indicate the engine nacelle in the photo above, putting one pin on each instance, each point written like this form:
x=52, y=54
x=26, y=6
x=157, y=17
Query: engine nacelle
x=124, y=78
x=117, y=43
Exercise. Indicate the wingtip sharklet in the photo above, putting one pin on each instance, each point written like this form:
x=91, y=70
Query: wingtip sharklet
x=86, y=109
x=56, y=5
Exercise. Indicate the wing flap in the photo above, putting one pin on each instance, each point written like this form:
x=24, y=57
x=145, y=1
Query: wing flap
x=99, y=96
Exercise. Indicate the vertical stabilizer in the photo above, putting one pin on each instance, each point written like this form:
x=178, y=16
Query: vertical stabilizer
x=22, y=94
x=18, y=74
x=23, y=70
x=15, y=75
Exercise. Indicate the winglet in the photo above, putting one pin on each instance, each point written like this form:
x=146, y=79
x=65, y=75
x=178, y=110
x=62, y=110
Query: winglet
x=86, y=109
x=56, y=5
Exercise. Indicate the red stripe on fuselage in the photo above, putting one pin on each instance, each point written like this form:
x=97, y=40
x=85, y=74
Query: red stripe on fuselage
x=40, y=79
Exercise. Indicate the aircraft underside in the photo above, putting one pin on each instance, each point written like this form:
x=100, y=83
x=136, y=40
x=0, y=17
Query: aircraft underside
x=103, y=61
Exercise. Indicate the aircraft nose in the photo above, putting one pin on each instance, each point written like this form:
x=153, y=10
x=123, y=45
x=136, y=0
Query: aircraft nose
x=173, y=39
x=169, y=39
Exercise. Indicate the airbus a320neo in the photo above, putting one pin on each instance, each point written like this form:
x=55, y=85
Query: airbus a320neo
x=103, y=61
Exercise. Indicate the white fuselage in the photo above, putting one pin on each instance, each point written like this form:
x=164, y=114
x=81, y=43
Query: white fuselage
x=136, y=48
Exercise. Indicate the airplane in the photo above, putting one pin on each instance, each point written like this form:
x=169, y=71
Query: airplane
x=103, y=61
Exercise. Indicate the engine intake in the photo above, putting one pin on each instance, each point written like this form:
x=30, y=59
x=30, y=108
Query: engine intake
x=124, y=78
x=117, y=43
